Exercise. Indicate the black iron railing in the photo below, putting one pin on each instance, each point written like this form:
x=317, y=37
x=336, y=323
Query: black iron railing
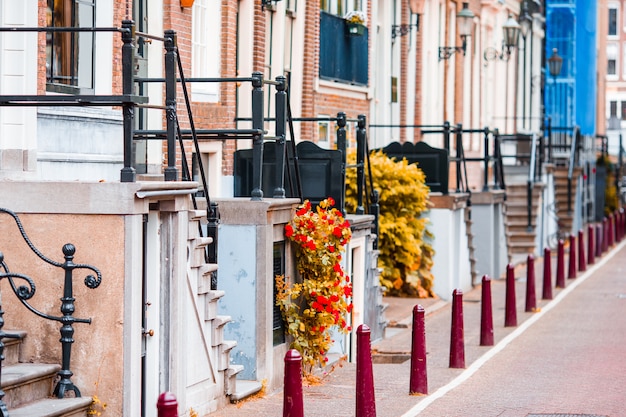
x=460, y=159
x=26, y=292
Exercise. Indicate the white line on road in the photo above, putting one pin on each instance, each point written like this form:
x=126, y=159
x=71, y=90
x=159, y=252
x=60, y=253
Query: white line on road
x=421, y=406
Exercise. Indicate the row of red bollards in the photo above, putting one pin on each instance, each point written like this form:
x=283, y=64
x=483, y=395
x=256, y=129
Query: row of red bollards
x=599, y=239
x=613, y=229
x=293, y=404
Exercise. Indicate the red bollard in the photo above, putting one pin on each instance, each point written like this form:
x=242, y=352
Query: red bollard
x=418, y=383
x=510, y=310
x=599, y=235
x=293, y=404
x=365, y=399
x=582, y=264
x=486, y=314
x=605, y=235
x=611, y=236
x=560, y=265
x=571, y=273
x=531, y=298
x=547, y=275
x=167, y=406
x=591, y=250
x=457, y=343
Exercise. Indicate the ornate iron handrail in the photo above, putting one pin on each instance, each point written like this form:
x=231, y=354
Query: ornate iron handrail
x=25, y=293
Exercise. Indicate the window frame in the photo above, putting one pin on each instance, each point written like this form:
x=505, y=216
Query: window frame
x=78, y=71
x=205, y=59
x=612, y=9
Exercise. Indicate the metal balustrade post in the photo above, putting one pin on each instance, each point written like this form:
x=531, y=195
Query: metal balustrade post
x=213, y=221
x=171, y=173
x=360, y=163
x=496, y=163
x=257, y=141
x=128, y=109
x=486, y=161
x=458, y=144
x=343, y=147
x=281, y=130
x=341, y=136
x=67, y=330
x=446, y=136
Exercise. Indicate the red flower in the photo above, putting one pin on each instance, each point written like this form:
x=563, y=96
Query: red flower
x=337, y=268
x=337, y=231
x=288, y=230
x=347, y=290
x=331, y=248
x=322, y=300
x=331, y=201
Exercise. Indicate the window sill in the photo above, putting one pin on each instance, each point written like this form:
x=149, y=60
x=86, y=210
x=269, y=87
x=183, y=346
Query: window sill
x=348, y=90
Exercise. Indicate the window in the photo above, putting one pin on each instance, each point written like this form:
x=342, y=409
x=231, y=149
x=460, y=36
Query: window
x=623, y=103
x=613, y=107
x=611, y=54
x=205, y=49
x=341, y=7
x=323, y=133
x=612, y=22
x=70, y=56
x=611, y=67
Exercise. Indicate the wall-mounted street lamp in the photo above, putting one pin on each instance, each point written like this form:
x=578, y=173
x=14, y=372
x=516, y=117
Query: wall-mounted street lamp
x=555, y=63
x=265, y=3
x=465, y=26
x=417, y=8
x=510, y=37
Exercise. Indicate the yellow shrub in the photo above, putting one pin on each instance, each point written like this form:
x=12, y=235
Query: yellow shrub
x=405, y=256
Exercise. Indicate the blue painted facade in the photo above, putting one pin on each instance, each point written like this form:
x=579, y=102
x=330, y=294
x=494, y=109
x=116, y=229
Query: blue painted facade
x=570, y=97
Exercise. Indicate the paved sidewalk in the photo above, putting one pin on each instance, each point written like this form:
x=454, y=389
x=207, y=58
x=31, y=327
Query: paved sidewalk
x=336, y=395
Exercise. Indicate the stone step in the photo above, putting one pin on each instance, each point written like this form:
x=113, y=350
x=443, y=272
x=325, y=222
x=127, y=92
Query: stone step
x=230, y=381
x=217, y=329
x=26, y=382
x=223, y=360
x=54, y=407
x=211, y=303
x=12, y=347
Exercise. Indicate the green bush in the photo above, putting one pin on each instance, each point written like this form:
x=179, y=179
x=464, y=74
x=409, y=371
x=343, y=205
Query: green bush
x=405, y=257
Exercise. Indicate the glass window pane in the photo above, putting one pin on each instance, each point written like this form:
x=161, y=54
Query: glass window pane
x=612, y=22
x=70, y=56
x=611, y=67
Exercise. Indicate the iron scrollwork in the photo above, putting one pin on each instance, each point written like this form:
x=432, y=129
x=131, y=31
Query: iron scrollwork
x=26, y=292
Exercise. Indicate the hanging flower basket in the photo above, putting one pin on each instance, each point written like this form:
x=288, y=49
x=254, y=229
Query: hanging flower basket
x=355, y=29
x=355, y=23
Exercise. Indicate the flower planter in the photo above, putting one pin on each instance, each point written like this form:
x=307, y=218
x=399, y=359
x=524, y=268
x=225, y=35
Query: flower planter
x=355, y=29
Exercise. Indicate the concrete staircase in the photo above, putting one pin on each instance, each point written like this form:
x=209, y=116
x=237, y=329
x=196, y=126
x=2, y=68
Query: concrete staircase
x=565, y=217
x=28, y=387
x=215, y=324
x=470, y=243
x=521, y=240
